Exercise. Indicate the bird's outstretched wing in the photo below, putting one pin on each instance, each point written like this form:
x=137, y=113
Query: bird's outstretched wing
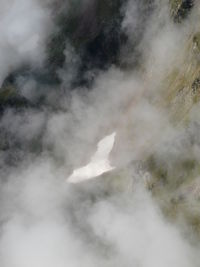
x=99, y=163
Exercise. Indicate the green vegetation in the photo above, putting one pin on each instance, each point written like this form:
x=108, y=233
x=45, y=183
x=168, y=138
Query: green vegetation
x=176, y=186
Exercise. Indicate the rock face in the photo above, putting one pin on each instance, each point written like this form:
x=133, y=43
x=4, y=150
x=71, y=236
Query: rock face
x=175, y=178
x=180, y=9
x=93, y=30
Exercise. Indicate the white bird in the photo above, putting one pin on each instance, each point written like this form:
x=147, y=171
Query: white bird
x=98, y=164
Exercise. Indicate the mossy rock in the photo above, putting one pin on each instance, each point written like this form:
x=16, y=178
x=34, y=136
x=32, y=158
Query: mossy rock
x=196, y=43
x=7, y=92
x=9, y=97
x=180, y=9
x=196, y=90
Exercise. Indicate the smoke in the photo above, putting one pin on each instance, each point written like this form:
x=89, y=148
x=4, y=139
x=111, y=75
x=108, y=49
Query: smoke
x=112, y=220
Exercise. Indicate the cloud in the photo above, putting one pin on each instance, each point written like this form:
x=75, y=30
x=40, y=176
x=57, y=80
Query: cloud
x=45, y=221
x=24, y=27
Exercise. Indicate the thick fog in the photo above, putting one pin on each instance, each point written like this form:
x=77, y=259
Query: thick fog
x=47, y=219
